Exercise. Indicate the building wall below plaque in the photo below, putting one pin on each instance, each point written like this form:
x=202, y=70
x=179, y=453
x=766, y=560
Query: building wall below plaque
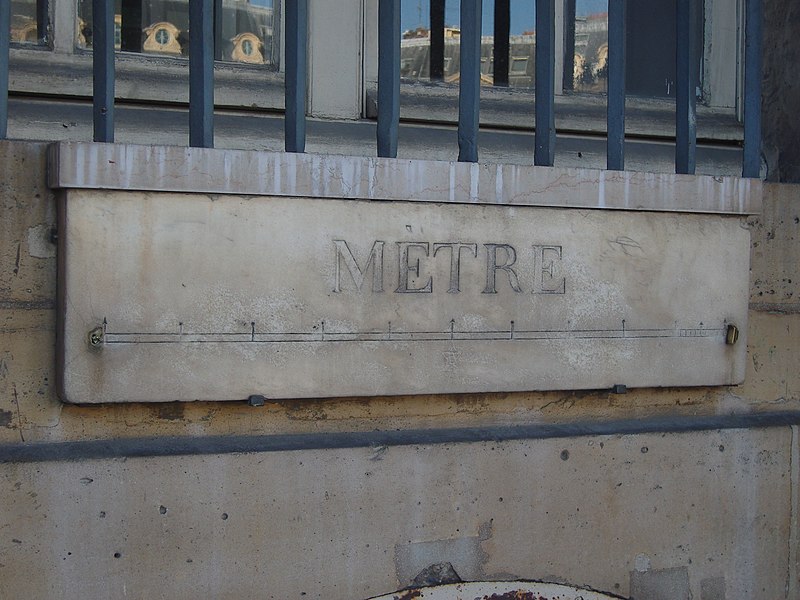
x=712, y=514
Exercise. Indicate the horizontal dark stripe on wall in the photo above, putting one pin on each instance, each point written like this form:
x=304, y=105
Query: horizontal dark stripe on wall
x=227, y=444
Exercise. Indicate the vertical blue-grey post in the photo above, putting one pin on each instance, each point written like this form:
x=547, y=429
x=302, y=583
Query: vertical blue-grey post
x=616, y=85
x=545, y=139
x=685, y=94
x=201, y=73
x=295, y=92
x=388, y=77
x=469, y=86
x=103, y=69
x=5, y=33
x=751, y=164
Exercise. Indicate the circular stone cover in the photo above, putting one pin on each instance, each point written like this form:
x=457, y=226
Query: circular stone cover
x=497, y=590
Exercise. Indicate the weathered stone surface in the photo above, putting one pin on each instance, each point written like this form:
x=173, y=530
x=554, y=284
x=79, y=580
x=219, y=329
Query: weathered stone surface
x=333, y=524
x=772, y=370
x=217, y=298
x=775, y=279
x=27, y=372
x=204, y=170
x=418, y=562
x=723, y=514
x=660, y=584
x=43, y=417
x=27, y=218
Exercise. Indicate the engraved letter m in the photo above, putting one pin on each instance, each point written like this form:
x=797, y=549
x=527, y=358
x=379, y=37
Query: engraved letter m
x=375, y=259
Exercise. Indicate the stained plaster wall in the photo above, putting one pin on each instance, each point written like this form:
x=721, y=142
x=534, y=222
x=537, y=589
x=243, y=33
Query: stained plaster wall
x=711, y=515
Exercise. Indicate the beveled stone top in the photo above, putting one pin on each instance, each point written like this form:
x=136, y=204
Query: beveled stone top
x=243, y=172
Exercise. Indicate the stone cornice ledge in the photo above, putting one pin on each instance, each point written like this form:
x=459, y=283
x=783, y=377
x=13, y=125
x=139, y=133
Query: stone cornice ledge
x=86, y=165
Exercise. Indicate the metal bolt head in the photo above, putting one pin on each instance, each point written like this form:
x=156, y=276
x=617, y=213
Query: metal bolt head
x=732, y=335
x=96, y=337
x=256, y=400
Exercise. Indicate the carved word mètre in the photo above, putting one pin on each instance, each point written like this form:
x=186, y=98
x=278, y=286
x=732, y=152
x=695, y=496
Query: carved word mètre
x=500, y=261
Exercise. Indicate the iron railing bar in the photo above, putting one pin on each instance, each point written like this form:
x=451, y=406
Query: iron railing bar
x=685, y=95
x=545, y=136
x=296, y=64
x=5, y=34
x=502, y=41
x=615, y=159
x=436, y=63
x=470, y=80
x=103, y=72
x=201, y=73
x=388, y=77
x=751, y=161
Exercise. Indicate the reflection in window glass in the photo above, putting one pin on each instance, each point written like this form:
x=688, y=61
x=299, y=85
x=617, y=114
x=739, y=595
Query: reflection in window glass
x=519, y=65
x=590, y=67
x=24, y=24
x=244, y=33
x=650, y=47
x=650, y=69
x=419, y=61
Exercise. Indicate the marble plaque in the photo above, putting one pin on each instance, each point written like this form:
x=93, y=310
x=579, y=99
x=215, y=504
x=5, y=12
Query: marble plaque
x=168, y=296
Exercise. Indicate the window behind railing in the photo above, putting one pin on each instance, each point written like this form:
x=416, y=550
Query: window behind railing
x=604, y=48
x=28, y=21
x=245, y=32
x=508, y=44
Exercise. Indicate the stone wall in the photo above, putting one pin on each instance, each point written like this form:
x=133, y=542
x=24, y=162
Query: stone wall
x=705, y=515
x=653, y=516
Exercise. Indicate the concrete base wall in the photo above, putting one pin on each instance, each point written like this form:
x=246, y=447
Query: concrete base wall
x=674, y=514
x=706, y=515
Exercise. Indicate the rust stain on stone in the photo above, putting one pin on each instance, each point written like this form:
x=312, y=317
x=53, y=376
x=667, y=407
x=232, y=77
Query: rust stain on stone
x=408, y=595
x=518, y=595
x=172, y=411
x=302, y=410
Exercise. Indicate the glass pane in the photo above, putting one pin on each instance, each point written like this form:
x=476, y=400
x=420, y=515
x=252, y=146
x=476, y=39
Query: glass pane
x=415, y=44
x=247, y=32
x=522, y=44
x=650, y=34
x=24, y=23
x=244, y=32
x=415, y=47
x=590, y=67
x=650, y=47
